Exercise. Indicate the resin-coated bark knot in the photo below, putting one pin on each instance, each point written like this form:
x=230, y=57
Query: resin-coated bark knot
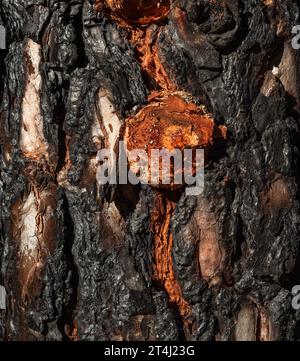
x=171, y=121
x=139, y=12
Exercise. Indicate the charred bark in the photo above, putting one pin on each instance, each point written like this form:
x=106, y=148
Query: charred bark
x=81, y=261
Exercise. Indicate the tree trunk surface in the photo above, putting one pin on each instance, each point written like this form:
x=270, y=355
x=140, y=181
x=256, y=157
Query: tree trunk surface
x=85, y=261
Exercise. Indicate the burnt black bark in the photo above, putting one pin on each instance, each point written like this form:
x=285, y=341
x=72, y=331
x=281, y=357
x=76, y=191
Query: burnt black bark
x=78, y=259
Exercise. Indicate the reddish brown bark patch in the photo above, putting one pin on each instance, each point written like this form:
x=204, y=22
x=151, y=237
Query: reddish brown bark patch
x=170, y=121
x=212, y=256
x=276, y=197
x=139, y=12
x=163, y=269
x=144, y=41
x=253, y=323
x=33, y=229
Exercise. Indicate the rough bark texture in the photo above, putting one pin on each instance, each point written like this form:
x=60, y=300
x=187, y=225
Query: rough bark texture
x=84, y=262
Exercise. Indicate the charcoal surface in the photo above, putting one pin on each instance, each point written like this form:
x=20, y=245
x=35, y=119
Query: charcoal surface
x=80, y=261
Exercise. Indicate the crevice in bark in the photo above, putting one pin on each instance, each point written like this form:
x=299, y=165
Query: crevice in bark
x=126, y=197
x=297, y=331
x=67, y=322
x=240, y=242
x=82, y=60
x=60, y=114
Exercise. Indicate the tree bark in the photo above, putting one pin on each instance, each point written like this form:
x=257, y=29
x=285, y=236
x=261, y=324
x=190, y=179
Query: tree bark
x=83, y=261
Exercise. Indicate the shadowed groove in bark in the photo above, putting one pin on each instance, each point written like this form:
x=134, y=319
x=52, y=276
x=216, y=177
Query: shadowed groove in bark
x=67, y=322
